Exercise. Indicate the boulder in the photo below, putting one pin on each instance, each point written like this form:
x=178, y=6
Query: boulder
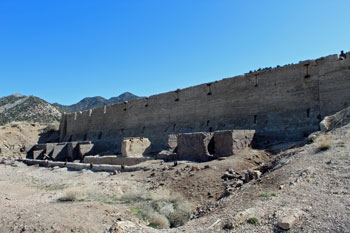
x=337, y=120
x=135, y=147
x=229, y=141
x=289, y=219
x=194, y=146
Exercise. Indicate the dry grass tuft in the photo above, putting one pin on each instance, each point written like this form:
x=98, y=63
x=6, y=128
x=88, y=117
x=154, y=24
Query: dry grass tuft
x=161, y=208
x=324, y=142
x=70, y=195
x=79, y=193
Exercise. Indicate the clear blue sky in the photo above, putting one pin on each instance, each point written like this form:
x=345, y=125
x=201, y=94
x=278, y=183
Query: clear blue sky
x=65, y=50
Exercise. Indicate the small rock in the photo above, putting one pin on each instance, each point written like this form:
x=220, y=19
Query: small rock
x=288, y=221
x=206, y=167
x=194, y=168
x=257, y=174
x=228, y=226
x=231, y=171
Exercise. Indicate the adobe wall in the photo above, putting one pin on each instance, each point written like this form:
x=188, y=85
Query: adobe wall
x=281, y=103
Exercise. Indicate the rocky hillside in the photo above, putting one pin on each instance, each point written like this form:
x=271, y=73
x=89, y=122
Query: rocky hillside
x=94, y=102
x=27, y=108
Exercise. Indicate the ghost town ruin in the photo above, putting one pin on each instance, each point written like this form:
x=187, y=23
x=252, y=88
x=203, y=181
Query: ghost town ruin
x=207, y=121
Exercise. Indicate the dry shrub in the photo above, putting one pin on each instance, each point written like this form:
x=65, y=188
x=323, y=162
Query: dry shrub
x=79, y=193
x=162, y=208
x=70, y=195
x=324, y=142
x=156, y=219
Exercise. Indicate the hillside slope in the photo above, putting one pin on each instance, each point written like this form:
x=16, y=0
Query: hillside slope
x=94, y=102
x=27, y=108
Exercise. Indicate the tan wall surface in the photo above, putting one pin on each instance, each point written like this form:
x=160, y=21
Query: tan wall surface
x=278, y=103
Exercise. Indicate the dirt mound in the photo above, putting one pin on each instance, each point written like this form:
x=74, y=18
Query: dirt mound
x=17, y=137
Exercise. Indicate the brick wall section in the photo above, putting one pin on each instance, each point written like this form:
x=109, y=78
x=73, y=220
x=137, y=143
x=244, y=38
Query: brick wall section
x=281, y=103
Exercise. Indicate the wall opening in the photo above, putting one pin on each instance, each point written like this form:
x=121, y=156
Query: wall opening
x=307, y=71
x=99, y=135
x=146, y=105
x=85, y=137
x=210, y=129
x=211, y=147
x=208, y=121
x=70, y=138
x=209, y=89
x=143, y=129
x=256, y=81
x=125, y=103
x=177, y=95
x=308, y=112
x=174, y=127
x=255, y=119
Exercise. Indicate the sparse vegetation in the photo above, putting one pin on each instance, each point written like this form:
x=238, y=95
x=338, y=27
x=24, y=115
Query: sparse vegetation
x=70, y=195
x=268, y=194
x=162, y=208
x=253, y=221
x=31, y=109
x=324, y=142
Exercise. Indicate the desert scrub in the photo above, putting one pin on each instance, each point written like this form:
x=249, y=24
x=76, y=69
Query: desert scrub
x=86, y=192
x=253, y=221
x=324, y=142
x=161, y=208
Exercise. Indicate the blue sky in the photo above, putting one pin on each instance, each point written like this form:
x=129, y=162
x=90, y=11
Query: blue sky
x=63, y=51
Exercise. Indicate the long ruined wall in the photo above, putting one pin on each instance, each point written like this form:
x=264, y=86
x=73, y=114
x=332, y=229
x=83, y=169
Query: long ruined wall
x=281, y=103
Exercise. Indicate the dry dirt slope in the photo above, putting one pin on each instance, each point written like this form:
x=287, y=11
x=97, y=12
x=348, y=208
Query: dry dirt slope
x=312, y=182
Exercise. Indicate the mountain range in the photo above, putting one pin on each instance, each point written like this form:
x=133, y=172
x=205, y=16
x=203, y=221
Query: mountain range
x=33, y=109
x=94, y=102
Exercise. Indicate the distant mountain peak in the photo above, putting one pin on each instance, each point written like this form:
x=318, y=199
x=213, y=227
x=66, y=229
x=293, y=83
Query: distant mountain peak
x=94, y=102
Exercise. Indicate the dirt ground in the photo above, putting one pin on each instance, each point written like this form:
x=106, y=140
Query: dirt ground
x=306, y=180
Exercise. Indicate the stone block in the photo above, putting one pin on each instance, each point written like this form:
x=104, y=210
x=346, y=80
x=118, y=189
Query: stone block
x=60, y=152
x=85, y=149
x=49, y=149
x=194, y=146
x=229, y=141
x=172, y=142
x=135, y=147
x=38, y=154
x=72, y=151
x=37, y=147
x=113, y=160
